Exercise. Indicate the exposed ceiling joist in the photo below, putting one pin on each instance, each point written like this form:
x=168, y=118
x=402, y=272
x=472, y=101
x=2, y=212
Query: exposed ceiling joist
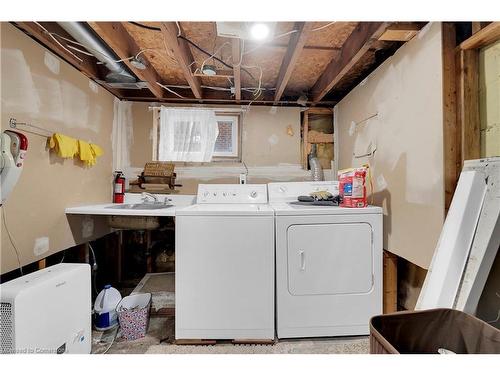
x=295, y=46
x=483, y=37
x=116, y=36
x=401, y=31
x=358, y=43
x=237, y=57
x=87, y=65
x=182, y=54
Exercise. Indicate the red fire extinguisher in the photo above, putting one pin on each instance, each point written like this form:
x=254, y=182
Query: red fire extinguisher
x=118, y=187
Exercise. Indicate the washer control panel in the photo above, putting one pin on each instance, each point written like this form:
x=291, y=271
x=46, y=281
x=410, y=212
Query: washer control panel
x=232, y=193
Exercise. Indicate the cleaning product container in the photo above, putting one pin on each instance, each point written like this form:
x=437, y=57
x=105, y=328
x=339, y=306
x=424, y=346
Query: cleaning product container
x=133, y=315
x=105, y=316
x=432, y=331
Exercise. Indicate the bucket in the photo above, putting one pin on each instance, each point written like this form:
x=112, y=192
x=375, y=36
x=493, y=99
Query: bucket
x=432, y=331
x=133, y=315
x=105, y=316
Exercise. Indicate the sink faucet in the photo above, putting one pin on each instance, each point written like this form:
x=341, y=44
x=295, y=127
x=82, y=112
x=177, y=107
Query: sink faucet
x=145, y=196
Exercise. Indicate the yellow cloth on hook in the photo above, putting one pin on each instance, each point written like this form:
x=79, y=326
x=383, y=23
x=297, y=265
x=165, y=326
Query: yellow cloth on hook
x=67, y=147
x=64, y=146
x=89, y=152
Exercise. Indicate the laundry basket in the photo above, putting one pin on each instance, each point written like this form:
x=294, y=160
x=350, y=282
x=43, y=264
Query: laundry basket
x=133, y=315
x=431, y=331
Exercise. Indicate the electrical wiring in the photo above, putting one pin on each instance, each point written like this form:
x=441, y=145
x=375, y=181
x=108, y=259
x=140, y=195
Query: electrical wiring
x=323, y=27
x=258, y=90
x=180, y=36
x=84, y=52
x=214, y=57
x=4, y=217
x=170, y=90
x=60, y=44
x=81, y=45
x=145, y=26
x=242, y=49
x=94, y=269
x=211, y=56
x=248, y=89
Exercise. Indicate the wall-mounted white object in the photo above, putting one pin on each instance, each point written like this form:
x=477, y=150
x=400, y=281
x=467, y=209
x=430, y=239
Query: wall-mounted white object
x=47, y=311
x=13, y=148
x=354, y=124
x=370, y=152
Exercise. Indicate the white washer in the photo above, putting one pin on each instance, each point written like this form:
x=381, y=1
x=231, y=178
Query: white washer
x=225, y=265
x=328, y=264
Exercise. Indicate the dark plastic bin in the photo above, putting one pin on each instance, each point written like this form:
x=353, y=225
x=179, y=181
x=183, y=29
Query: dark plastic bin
x=427, y=331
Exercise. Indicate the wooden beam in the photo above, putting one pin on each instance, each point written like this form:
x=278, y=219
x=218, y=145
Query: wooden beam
x=181, y=52
x=468, y=103
x=295, y=46
x=271, y=45
x=237, y=57
x=476, y=26
x=483, y=37
x=390, y=282
x=121, y=42
x=87, y=65
x=401, y=31
x=42, y=263
x=451, y=133
x=358, y=43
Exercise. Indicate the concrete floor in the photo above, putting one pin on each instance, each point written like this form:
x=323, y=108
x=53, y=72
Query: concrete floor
x=161, y=335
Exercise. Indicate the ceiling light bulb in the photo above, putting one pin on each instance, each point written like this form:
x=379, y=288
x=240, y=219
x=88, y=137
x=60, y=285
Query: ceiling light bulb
x=259, y=31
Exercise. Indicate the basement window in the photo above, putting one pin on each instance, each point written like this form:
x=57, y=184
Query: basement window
x=183, y=142
x=227, y=143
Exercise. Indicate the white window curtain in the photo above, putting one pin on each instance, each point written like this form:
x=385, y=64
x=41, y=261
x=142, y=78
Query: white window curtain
x=187, y=134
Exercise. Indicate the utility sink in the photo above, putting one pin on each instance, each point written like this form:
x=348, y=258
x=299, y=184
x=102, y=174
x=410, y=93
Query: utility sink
x=136, y=222
x=140, y=206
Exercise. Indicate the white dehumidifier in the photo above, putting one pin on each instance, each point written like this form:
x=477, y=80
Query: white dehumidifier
x=47, y=311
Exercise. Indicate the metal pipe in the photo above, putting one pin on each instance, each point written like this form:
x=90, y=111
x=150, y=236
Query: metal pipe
x=82, y=34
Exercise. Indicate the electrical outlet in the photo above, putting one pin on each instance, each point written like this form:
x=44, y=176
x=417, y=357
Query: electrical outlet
x=243, y=178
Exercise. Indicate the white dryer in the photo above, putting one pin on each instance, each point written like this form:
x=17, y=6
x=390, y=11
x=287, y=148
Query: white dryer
x=224, y=265
x=328, y=264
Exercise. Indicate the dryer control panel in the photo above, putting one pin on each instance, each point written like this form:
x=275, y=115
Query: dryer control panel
x=232, y=193
x=289, y=191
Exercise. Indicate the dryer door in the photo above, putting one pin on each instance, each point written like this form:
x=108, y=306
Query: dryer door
x=330, y=258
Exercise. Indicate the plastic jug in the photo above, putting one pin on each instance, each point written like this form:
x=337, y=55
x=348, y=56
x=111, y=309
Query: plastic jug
x=105, y=316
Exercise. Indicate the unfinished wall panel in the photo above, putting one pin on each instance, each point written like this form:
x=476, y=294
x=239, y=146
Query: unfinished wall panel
x=405, y=93
x=44, y=90
x=270, y=147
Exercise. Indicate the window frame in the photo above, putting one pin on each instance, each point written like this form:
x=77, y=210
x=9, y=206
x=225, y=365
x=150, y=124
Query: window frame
x=215, y=159
x=236, y=137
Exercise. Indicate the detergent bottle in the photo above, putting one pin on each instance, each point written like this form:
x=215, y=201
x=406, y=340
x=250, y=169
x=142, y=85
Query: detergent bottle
x=105, y=316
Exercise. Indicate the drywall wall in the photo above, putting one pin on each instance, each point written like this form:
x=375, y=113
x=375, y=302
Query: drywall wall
x=142, y=142
x=270, y=145
x=489, y=99
x=407, y=167
x=39, y=88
